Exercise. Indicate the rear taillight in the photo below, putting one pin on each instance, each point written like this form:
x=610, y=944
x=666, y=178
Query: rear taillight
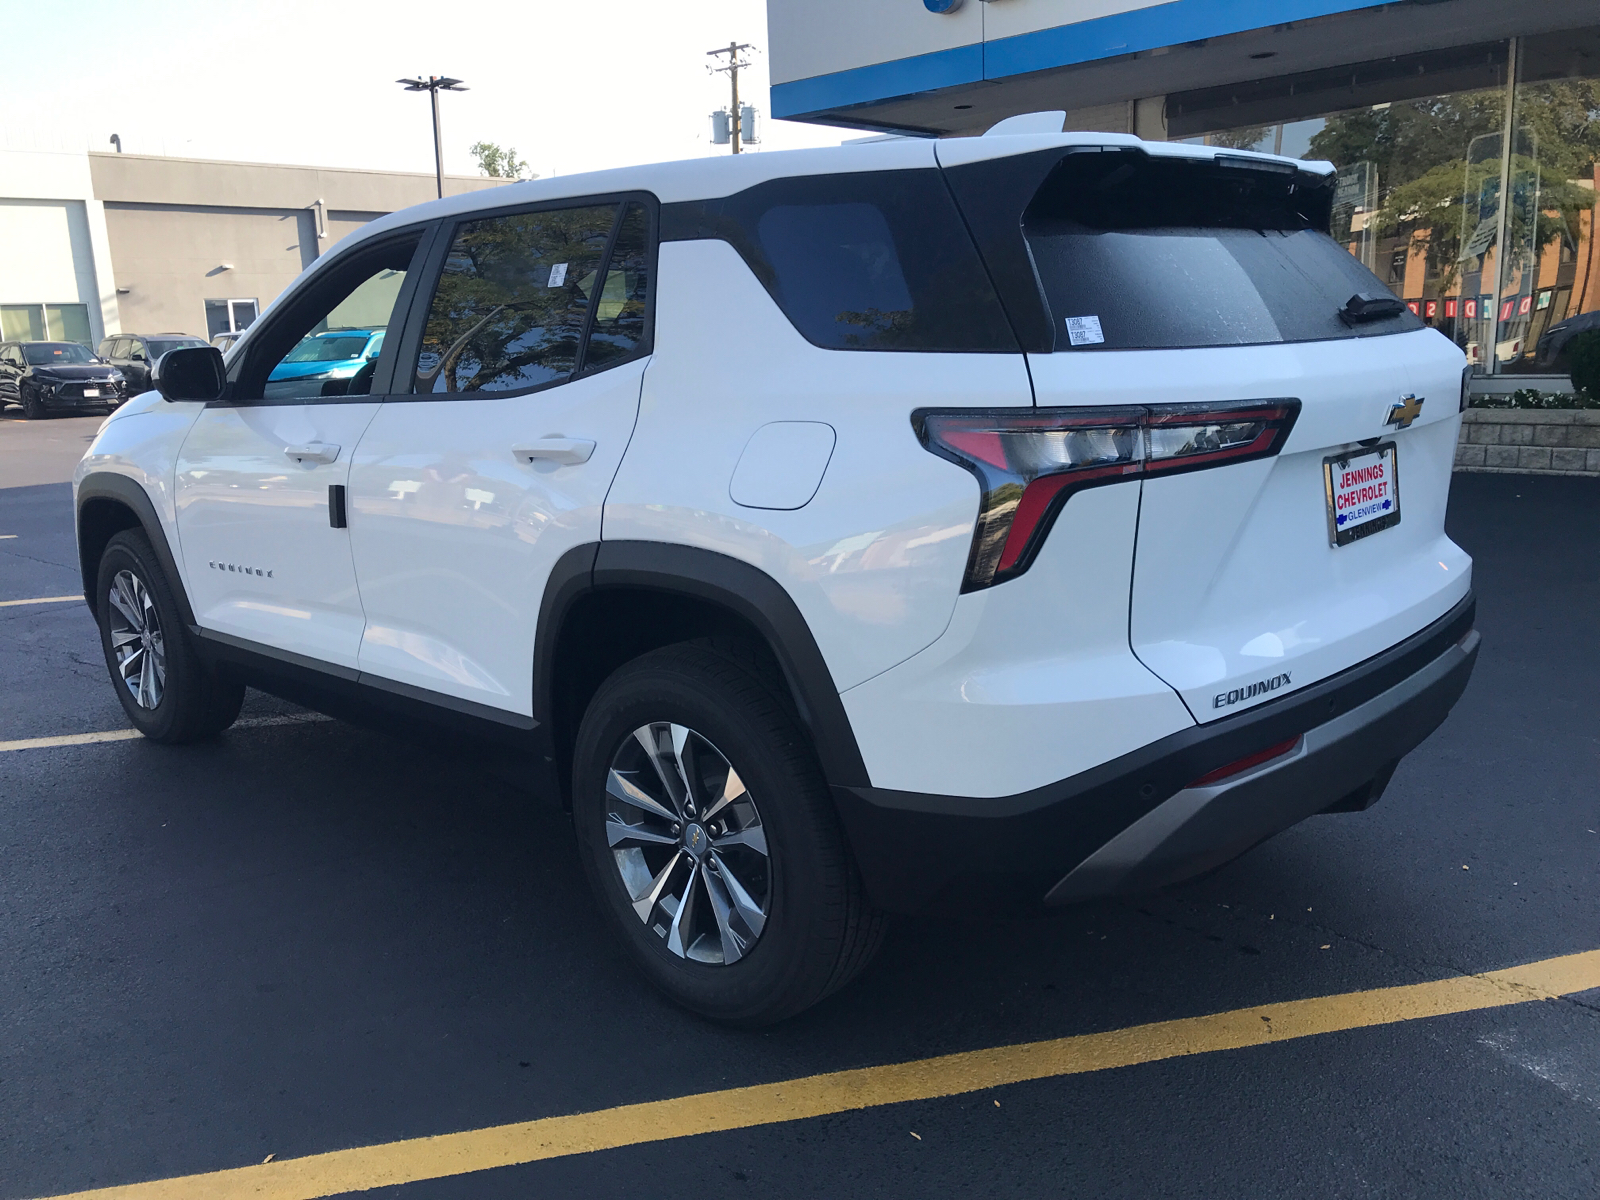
x=1030, y=461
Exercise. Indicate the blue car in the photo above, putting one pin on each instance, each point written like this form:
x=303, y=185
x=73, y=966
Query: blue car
x=323, y=364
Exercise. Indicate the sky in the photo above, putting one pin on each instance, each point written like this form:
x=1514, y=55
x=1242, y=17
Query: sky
x=572, y=86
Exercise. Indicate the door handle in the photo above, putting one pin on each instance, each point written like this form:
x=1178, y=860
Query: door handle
x=569, y=451
x=316, y=452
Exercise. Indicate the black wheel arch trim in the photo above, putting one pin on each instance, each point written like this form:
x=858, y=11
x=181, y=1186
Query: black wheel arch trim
x=745, y=590
x=108, y=485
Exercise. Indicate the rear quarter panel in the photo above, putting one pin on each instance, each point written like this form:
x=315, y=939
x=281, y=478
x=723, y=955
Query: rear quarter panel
x=874, y=561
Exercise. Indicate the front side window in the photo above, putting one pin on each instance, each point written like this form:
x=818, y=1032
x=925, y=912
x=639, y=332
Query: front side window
x=311, y=351
x=511, y=304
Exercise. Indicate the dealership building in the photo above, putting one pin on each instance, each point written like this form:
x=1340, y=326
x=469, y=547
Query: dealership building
x=101, y=244
x=1433, y=111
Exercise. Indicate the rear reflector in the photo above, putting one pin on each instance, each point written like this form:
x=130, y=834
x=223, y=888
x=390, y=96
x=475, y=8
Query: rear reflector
x=1029, y=461
x=1240, y=765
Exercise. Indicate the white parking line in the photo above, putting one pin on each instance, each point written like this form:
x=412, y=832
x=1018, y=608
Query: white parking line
x=42, y=600
x=128, y=735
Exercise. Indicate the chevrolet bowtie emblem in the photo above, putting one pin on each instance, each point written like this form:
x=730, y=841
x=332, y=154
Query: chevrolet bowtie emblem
x=1408, y=410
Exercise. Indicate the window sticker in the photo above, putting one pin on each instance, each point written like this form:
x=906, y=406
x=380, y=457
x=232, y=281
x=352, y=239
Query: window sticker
x=1084, y=331
x=558, y=275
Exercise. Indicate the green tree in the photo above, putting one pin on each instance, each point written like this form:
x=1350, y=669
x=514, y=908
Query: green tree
x=497, y=163
x=1430, y=191
x=1245, y=137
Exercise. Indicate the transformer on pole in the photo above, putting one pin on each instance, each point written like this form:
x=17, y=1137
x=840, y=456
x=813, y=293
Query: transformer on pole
x=736, y=124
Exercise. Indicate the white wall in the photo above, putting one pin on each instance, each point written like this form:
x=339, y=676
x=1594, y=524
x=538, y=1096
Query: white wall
x=53, y=244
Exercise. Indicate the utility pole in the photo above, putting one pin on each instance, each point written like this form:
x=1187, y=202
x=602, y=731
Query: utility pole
x=433, y=85
x=732, y=50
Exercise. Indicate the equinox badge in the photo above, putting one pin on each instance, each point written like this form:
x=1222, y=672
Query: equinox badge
x=1228, y=699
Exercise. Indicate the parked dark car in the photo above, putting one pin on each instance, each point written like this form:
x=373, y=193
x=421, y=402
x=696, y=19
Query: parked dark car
x=57, y=377
x=1554, y=342
x=134, y=354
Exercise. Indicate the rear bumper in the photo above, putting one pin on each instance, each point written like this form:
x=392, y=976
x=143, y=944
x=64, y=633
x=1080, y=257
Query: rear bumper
x=1135, y=823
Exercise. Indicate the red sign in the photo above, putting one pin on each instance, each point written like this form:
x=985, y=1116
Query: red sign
x=1505, y=310
x=1449, y=308
x=1527, y=303
x=1471, y=307
x=1414, y=307
x=1433, y=309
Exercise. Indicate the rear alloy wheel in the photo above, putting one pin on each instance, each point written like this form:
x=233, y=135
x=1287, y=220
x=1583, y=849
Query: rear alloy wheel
x=168, y=692
x=688, y=844
x=709, y=837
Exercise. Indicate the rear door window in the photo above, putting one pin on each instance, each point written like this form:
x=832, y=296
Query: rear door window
x=511, y=305
x=1140, y=252
x=622, y=313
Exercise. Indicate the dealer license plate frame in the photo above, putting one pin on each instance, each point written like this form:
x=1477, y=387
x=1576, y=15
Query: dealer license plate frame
x=1343, y=537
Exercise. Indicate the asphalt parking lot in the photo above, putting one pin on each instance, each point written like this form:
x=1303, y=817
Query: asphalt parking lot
x=304, y=937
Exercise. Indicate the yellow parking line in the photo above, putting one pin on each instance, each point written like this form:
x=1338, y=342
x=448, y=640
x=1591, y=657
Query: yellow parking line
x=72, y=739
x=42, y=600
x=417, y=1159
x=128, y=735
x=6, y=537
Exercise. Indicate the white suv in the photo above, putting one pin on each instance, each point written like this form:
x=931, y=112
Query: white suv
x=903, y=526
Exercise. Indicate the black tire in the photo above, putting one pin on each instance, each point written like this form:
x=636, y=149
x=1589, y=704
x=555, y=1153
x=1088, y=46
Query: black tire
x=194, y=701
x=819, y=930
x=31, y=407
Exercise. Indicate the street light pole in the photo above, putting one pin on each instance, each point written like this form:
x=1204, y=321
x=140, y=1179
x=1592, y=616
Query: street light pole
x=433, y=85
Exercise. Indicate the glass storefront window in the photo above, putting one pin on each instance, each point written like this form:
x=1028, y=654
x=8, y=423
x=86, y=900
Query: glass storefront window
x=1417, y=199
x=1421, y=181
x=46, y=322
x=1551, y=288
x=69, y=323
x=22, y=322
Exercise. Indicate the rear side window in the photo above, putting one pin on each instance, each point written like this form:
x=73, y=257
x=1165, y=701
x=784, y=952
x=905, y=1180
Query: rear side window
x=622, y=310
x=509, y=310
x=1138, y=252
x=869, y=261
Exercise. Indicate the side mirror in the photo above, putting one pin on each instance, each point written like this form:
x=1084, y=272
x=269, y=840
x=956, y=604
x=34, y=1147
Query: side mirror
x=136, y=356
x=190, y=373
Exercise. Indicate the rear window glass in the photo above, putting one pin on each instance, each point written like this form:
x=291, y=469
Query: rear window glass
x=1136, y=252
x=869, y=261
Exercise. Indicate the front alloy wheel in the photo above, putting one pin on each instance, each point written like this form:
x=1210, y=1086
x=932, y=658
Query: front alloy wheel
x=136, y=640
x=169, y=694
x=688, y=843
